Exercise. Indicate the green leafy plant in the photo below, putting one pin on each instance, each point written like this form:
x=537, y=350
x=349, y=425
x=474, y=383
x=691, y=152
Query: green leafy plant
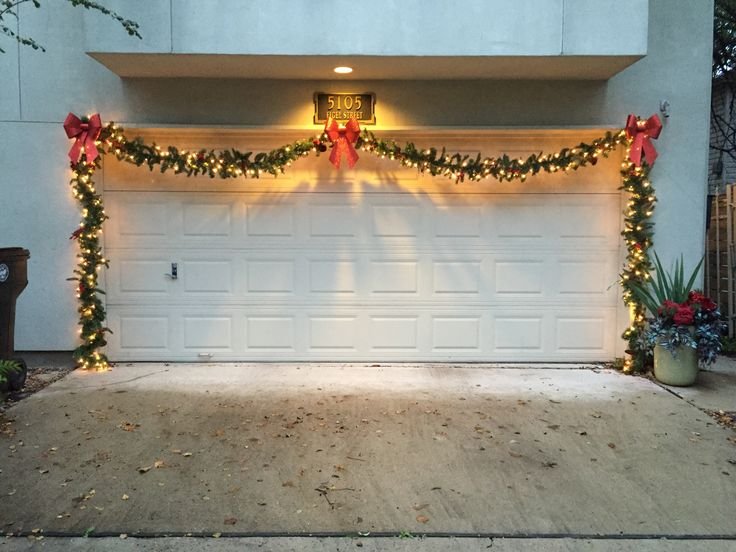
x=665, y=287
x=680, y=316
x=8, y=368
x=728, y=346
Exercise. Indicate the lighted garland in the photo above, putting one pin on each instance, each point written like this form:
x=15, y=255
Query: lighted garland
x=638, y=233
x=92, y=327
x=233, y=163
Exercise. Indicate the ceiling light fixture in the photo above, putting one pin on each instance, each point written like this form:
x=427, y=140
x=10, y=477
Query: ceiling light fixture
x=343, y=70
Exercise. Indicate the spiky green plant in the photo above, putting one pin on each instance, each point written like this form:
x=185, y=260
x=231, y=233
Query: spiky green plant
x=664, y=286
x=8, y=367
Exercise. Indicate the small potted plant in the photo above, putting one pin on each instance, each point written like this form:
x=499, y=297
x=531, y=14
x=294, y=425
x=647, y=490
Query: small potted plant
x=12, y=375
x=685, y=327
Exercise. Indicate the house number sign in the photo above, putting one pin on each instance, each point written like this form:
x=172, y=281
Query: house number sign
x=341, y=107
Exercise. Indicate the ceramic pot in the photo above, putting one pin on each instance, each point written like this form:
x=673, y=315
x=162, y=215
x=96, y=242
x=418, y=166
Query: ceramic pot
x=679, y=369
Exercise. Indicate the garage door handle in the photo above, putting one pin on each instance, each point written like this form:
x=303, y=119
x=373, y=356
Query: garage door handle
x=174, y=272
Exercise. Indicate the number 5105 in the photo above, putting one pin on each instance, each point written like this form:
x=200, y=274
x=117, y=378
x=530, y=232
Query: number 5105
x=344, y=102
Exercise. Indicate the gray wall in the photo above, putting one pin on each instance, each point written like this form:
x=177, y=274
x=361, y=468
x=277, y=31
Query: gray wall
x=38, y=89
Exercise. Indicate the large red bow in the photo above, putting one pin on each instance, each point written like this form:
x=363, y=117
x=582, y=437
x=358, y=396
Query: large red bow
x=342, y=139
x=642, y=132
x=84, y=134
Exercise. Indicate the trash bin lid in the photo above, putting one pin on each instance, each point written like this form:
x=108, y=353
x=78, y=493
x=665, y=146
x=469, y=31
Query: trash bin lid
x=13, y=253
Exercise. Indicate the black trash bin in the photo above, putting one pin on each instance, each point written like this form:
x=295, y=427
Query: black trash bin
x=13, y=280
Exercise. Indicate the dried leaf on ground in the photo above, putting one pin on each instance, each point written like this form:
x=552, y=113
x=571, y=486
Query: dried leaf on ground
x=422, y=519
x=724, y=418
x=230, y=521
x=128, y=426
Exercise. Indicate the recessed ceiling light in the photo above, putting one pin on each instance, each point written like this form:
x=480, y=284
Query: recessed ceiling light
x=343, y=70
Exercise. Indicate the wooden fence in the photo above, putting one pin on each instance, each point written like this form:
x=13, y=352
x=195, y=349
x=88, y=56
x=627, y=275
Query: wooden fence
x=720, y=254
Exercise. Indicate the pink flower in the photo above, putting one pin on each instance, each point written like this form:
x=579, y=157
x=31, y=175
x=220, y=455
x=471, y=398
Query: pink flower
x=684, y=316
x=696, y=298
x=668, y=308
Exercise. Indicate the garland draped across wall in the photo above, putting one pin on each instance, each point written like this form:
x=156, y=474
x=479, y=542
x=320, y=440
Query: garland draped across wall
x=92, y=140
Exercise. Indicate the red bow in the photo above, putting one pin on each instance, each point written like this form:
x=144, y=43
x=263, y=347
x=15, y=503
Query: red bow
x=84, y=134
x=342, y=139
x=642, y=132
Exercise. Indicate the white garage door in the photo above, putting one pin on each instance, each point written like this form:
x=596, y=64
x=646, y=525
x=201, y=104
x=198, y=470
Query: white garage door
x=371, y=264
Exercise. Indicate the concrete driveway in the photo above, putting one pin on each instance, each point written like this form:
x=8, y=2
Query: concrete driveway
x=268, y=450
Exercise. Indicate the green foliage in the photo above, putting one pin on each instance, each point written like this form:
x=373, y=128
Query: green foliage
x=8, y=367
x=665, y=287
x=9, y=9
x=724, y=39
x=638, y=233
x=618, y=363
x=728, y=346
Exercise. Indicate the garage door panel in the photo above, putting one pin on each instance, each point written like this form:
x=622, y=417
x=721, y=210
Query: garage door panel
x=333, y=333
x=137, y=333
x=143, y=276
x=519, y=277
x=208, y=333
x=456, y=277
x=207, y=276
x=394, y=332
x=270, y=219
x=579, y=332
x=333, y=276
x=458, y=221
x=207, y=219
x=270, y=333
x=514, y=333
x=271, y=276
x=390, y=277
x=334, y=221
x=140, y=218
x=453, y=333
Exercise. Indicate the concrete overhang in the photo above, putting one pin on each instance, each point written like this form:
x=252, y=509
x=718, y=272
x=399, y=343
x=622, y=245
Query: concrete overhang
x=152, y=65
x=393, y=39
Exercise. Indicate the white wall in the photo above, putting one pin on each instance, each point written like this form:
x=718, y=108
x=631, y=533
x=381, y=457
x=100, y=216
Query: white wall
x=381, y=27
x=38, y=89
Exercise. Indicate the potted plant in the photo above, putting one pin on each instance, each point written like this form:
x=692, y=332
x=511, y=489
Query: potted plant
x=685, y=327
x=12, y=375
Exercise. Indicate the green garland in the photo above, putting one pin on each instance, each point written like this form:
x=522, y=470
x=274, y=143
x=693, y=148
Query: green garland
x=92, y=316
x=233, y=163
x=638, y=233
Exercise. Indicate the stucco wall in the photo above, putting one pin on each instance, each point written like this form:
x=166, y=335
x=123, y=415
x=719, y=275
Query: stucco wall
x=38, y=89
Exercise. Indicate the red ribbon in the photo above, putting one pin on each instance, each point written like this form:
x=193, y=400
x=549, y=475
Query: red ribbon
x=342, y=139
x=642, y=132
x=84, y=134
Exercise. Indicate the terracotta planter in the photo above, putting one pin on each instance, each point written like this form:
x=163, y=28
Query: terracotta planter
x=679, y=369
